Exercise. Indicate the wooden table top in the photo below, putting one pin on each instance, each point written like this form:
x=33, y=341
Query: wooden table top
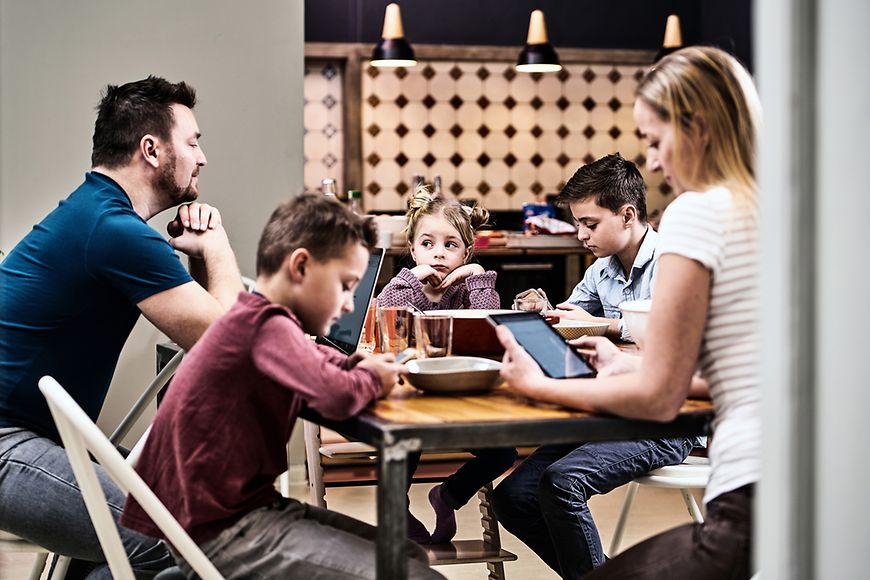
x=498, y=419
x=406, y=405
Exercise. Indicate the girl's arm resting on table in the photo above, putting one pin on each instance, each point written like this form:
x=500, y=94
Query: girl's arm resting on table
x=658, y=389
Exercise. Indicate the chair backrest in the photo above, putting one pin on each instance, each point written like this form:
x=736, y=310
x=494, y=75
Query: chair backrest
x=145, y=398
x=249, y=283
x=80, y=435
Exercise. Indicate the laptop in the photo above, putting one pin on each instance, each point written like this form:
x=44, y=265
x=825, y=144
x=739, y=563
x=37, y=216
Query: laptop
x=347, y=331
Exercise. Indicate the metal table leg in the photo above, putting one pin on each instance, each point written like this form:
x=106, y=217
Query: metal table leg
x=392, y=557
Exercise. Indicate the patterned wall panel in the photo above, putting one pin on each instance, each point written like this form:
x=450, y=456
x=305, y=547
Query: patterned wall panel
x=324, y=134
x=494, y=134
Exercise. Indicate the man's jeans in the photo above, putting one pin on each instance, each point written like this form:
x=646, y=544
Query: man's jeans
x=41, y=502
x=543, y=502
x=290, y=539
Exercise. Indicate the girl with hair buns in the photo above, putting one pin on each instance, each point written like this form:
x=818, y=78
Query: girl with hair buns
x=698, y=111
x=441, y=239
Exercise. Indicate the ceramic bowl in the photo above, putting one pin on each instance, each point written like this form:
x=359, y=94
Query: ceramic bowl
x=571, y=329
x=453, y=374
x=635, y=314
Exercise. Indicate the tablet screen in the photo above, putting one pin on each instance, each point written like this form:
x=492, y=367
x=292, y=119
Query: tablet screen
x=555, y=357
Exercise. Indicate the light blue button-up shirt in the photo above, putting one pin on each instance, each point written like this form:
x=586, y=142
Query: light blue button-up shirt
x=604, y=285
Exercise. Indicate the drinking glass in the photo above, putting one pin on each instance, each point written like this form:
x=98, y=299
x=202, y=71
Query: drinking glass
x=394, y=323
x=369, y=339
x=434, y=334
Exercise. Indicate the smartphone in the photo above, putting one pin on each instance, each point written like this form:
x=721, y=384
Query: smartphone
x=406, y=355
x=554, y=355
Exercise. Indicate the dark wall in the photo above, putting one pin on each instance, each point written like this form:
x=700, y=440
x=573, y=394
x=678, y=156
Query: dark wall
x=576, y=23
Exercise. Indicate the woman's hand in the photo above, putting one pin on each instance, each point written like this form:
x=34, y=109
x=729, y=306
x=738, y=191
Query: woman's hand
x=460, y=274
x=605, y=357
x=519, y=370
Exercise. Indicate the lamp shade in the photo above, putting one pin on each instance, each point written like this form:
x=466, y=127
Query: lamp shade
x=393, y=50
x=538, y=55
x=673, y=37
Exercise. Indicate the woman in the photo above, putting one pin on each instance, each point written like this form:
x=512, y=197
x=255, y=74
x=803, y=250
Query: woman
x=698, y=111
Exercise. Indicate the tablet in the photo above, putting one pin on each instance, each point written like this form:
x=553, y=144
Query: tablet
x=544, y=343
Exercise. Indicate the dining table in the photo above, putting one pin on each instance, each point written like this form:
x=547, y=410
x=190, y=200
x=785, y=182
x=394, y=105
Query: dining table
x=408, y=420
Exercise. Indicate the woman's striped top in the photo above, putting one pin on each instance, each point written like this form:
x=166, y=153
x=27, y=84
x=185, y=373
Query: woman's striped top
x=722, y=234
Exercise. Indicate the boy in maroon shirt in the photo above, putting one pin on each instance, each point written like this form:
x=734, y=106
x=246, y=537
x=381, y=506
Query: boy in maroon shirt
x=218, y=441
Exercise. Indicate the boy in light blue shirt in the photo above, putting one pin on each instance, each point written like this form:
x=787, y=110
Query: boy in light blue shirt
x=607, y=199
x=543, y=501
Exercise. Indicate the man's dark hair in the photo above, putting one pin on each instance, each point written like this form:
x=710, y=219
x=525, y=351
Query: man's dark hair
x=128, y=112
x=613, y=181
x=320, y=224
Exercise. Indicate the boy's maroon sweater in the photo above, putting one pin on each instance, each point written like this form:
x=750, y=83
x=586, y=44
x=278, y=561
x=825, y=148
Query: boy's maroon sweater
x=219, y=439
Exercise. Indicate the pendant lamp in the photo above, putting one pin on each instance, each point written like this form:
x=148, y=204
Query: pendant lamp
x=673, y=37
x=538, y=55
x=393, y=50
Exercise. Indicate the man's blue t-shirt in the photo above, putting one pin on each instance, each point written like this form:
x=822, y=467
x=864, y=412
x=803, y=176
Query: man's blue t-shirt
x=68, y=296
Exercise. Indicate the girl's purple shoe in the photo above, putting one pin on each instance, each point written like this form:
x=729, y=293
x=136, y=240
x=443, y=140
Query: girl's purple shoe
x=445, y=517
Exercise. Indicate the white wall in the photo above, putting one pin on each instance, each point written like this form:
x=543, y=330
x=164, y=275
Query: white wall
x=842, y=512
x=813, y=516
x=244, y=58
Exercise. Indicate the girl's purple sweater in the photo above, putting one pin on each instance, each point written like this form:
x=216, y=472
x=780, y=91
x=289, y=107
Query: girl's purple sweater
x=476, y=292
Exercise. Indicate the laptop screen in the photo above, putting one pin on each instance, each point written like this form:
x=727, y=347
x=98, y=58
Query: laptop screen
x=345, y=334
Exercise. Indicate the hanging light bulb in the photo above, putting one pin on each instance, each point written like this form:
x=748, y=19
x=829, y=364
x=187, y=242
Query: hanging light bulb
x=538, y=55
x=673, y=37
x=393, y=50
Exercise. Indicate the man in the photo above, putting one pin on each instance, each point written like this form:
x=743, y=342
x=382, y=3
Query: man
x=72, y=289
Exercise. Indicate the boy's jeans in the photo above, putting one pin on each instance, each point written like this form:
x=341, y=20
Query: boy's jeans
x=290, y=539
x=41, y=502
x=543, y=501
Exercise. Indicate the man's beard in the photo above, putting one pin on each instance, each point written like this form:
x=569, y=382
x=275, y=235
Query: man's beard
x=165, y=182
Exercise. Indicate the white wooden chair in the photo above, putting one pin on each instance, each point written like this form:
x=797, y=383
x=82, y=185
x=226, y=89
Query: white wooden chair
x=250, y=284
x=80, y=435
x=487, y=550
x=693, y=473
x=12, y=543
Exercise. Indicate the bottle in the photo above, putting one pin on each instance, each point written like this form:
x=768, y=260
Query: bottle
x=354, y=201
x=328, y=186
x=436, y=187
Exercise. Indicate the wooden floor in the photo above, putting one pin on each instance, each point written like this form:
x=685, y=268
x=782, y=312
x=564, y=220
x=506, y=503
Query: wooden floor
x=654, y=510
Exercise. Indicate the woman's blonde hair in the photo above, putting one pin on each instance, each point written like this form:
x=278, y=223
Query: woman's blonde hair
x=466, y=220
x=705, y=85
